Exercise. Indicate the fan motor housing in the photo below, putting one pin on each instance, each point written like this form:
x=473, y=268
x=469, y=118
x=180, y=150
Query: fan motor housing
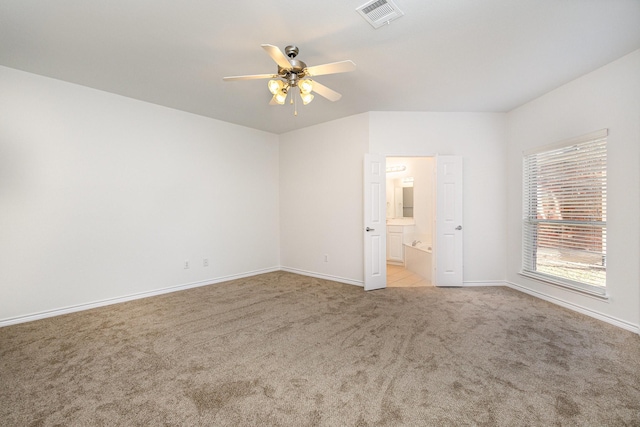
x=297, y=68
x=291, y=51
x=296, y=71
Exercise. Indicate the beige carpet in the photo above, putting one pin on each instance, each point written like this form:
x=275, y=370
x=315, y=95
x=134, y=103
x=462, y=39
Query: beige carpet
x=282, y=349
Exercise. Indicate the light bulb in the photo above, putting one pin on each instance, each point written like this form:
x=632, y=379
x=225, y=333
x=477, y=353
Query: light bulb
x=280, y=96
x=275, y=85
x=305, y=85
x=306, y=97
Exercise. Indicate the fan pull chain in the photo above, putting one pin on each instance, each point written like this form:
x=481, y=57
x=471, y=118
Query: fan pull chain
x=294, y=101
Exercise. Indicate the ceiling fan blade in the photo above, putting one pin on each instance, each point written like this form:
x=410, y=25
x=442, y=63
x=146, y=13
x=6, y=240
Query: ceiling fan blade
x=332, y=68
x=250, y=77
x=276, y=54
x=324, y=91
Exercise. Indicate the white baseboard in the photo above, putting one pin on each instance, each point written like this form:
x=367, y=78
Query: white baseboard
x=571, y=306
x=323, y=276
x=474, y=283
x=131, y=297
x=87, y=306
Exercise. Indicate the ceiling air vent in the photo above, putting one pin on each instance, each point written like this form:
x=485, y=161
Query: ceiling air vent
x=379, y=12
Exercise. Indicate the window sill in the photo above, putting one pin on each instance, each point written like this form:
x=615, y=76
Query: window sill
x=600, y=294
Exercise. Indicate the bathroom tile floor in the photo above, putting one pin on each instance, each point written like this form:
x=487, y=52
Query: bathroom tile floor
x=399, y=277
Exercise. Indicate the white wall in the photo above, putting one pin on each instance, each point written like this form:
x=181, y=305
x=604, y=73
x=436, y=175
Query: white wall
x=321, y=172
x=102, y=196
x=317, y=207
x=423, y=196
x=479, y=138
x=606, y=98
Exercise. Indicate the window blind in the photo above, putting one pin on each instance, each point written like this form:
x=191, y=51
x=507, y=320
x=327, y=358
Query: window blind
x=565, y=212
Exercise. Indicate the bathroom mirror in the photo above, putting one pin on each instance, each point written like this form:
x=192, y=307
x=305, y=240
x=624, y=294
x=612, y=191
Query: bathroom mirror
x=402, y=199
x=407, y=200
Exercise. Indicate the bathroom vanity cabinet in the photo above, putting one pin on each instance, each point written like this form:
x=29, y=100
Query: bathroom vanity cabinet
x=395, y=249
x=399, y=230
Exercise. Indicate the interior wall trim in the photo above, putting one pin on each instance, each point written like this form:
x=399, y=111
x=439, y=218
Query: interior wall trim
x=474, y=283
x=323, y=276
x=117, y=300
x=87, y=306
x=575, y=307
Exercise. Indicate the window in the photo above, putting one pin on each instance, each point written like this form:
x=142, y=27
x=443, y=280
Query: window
x=565, y=213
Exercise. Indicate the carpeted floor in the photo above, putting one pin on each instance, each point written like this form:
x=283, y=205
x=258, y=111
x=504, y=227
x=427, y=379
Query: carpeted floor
x=283, y=349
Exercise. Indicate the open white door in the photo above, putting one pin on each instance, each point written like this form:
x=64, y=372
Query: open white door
x=449, y=232
x=375, y=223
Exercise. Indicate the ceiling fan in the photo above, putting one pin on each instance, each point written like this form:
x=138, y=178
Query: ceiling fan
x=293, y=73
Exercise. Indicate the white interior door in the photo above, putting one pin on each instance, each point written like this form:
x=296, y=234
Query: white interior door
x=375, y=250
x=449, y=230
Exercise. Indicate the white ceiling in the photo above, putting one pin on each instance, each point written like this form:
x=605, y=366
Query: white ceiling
x=443, y=55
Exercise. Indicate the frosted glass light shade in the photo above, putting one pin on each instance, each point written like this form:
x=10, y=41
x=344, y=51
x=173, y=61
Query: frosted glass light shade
x=305, y=85
x=275, y=86
x=280, y=96
x=306, y=97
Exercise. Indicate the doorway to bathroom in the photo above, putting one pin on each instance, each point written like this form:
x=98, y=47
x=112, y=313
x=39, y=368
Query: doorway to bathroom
x=410, y=220
x=420, y=229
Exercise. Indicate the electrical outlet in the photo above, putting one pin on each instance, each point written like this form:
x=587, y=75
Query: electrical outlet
x=205, y=262
x=186, y=264
x=326, y=258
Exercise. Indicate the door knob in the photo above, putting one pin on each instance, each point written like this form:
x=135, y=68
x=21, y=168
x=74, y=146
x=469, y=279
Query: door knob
x=459, y=227
x=370, y=229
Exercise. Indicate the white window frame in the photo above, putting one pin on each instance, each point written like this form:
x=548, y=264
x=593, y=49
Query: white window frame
x=561, y=157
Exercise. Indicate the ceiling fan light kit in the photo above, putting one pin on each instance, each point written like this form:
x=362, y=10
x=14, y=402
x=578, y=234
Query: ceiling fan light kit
x=291, y=74
x=306, y=85
x=275, y=86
